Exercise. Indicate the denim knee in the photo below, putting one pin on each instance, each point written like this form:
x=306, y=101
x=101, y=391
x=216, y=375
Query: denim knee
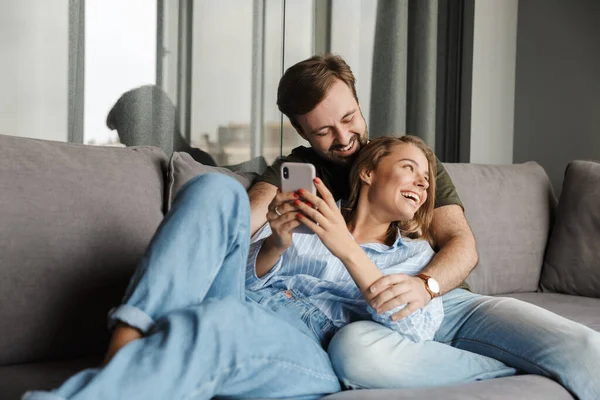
x=215, y=185
x=353, y=354
x=215, y=192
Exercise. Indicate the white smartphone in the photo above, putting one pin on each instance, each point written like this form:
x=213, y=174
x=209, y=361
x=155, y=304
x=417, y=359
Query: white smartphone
x=296, y=176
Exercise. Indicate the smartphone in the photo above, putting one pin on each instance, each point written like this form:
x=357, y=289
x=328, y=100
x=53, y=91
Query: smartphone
x=296, y=176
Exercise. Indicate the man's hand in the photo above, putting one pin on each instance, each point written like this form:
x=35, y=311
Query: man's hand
x=394, y=290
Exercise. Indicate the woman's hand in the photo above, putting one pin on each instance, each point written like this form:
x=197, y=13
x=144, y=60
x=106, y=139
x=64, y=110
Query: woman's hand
x=323, y=217
x=282, y=219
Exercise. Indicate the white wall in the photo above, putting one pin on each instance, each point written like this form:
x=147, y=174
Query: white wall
x=557, y=109
x=34, y=70
x=493, y=85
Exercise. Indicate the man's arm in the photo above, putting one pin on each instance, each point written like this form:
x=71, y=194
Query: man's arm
x=451, y=265
x=261, y=194
x=457, y=255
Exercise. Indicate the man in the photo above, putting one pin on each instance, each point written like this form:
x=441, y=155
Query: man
x=318, y=95
x=481, y=337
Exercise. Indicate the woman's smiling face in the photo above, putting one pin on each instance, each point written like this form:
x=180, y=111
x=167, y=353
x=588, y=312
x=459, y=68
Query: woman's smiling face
x=398, y=185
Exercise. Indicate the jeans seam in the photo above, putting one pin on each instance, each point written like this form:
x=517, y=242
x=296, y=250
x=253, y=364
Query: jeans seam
x=523, y=358
x=307, y=371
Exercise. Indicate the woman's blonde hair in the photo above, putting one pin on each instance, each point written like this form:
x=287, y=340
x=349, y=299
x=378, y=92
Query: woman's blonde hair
x=368, y=159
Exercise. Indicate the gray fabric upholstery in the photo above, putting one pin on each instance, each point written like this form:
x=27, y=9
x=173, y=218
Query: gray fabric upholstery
x=572, y=264
x=528, y=387
x=257, y=165
x=585, y=310
x=75, y=221
x=182, y=168
x=509, y=209
x=16, y=379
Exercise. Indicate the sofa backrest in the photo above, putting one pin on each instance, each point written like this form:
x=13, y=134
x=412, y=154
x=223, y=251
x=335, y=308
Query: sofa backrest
x=510, y=210
x=74, y=222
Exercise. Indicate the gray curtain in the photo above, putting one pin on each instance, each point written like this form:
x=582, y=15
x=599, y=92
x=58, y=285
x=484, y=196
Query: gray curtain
x=76, y=69
x=403, y=90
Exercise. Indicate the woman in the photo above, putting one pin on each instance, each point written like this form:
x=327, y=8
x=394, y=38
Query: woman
x=209, y=329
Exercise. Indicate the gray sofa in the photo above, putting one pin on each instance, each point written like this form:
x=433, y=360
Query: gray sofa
x=76, y=219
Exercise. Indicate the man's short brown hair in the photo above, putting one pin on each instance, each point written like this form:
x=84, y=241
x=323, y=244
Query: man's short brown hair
x=305, y=84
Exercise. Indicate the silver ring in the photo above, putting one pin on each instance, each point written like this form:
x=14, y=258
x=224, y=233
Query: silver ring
x=277, y=211
x=317, y=224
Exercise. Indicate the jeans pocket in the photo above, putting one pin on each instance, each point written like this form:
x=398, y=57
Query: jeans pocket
x=320, y=325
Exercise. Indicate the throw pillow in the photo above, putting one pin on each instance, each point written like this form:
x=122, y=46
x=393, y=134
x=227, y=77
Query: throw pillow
x=572, y=263
x=182, y=168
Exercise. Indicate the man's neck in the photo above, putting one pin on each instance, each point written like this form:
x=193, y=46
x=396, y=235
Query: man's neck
x=329, y=162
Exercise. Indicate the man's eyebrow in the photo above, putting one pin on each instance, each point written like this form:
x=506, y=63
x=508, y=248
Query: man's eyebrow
x=314, y=131
x=349, y=113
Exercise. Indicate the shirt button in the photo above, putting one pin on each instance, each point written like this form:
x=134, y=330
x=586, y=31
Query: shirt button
x=288, y=294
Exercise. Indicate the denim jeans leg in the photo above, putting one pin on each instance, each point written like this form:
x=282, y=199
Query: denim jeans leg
x=199, y=251
x=368, y=355
x=222, y=347
x=526, y=337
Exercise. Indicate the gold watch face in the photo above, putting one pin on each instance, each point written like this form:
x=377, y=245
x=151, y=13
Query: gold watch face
x=433, y=285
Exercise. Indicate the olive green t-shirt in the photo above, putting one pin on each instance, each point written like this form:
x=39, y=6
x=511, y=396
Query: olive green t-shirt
x=337, y=178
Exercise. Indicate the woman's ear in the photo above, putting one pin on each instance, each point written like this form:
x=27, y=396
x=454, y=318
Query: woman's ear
x=366, y=176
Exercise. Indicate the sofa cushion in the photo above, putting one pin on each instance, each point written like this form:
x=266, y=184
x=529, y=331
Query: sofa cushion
x=529, y=387
x=509, y=209
x=182, y=168
x=17, y=379
x=75, y=221
x=572, y=263
x=585, y=310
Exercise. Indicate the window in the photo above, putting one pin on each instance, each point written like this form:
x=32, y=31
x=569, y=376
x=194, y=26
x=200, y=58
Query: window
x=34, y=71
x=222, y=75
x=120, y=55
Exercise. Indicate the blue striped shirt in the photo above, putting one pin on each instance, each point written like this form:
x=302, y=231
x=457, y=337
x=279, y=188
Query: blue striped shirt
x=311, y=271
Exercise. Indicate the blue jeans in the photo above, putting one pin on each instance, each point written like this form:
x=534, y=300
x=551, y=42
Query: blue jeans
x=203, y=336
x=481, y=337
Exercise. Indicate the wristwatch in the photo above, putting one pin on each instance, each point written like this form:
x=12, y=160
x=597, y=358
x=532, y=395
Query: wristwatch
x=431, y=285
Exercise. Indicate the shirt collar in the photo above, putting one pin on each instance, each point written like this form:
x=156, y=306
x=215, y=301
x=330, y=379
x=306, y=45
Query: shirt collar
x=384, y=248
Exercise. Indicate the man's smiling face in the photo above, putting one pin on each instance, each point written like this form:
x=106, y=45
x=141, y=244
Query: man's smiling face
x=335, y=128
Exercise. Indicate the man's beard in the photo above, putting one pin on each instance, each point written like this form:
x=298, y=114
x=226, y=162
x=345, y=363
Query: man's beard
x=361, y=141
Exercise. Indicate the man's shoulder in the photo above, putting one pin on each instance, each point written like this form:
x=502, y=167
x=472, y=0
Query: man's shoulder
x=303, y=154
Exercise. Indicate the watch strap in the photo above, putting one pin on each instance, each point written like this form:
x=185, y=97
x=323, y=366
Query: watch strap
x=425, y=278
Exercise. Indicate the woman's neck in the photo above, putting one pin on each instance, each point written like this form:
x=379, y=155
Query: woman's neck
x=368, y=226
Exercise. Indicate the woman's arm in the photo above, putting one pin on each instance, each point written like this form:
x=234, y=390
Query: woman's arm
x=333, y=232
x=267, y=257
x=363, y=271
x=282, y=220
